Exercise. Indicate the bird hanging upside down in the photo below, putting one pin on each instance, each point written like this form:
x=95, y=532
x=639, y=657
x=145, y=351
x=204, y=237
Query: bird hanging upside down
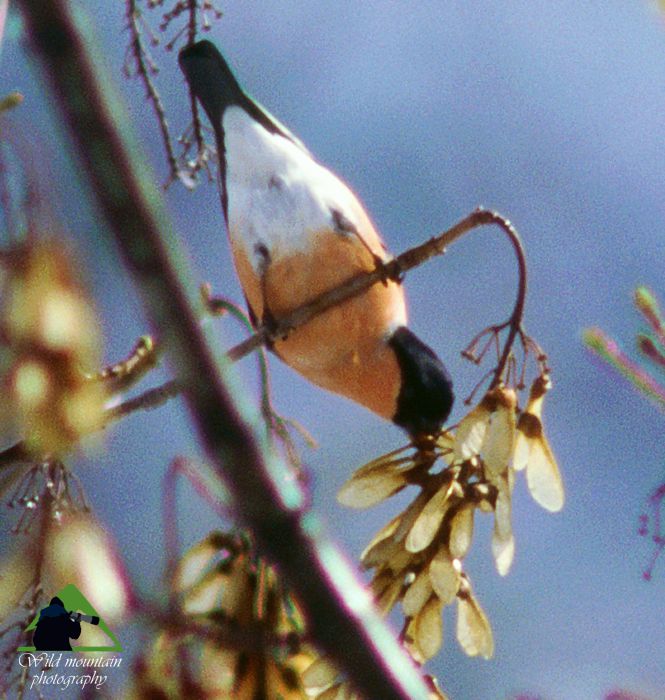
x=297, y=231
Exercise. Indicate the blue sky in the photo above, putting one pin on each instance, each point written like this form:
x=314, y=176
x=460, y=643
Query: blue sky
x=552, y=113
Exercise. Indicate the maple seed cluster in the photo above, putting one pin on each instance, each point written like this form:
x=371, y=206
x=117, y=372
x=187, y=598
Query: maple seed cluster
x=417, y=557
x=51, y=337
x=224, y=592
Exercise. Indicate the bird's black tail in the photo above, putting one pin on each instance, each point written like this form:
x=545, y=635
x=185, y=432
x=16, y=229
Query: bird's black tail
x=210, y=79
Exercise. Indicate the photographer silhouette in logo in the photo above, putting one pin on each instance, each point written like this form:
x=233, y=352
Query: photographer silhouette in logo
x=55, y=628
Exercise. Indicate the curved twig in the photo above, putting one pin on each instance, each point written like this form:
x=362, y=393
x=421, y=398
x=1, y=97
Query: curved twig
x=515, y=320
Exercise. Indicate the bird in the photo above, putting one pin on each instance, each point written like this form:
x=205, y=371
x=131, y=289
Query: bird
x=297, y=230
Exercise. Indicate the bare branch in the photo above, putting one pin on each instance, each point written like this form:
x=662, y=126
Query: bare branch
x=152, y=398
x=144, y=72
x=394, y=269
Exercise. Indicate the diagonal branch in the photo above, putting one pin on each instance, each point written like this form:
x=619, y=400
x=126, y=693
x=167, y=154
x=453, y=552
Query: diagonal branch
x=394, y=269
x=341, y=618
x=408, y=260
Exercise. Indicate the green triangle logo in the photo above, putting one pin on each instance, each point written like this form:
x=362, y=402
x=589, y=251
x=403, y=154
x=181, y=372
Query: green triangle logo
x=74, y=601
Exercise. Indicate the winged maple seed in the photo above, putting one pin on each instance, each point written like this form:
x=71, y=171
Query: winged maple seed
x=417, y=557
x=533, y=451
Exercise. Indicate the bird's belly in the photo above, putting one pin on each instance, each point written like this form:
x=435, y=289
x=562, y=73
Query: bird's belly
x=343, y=349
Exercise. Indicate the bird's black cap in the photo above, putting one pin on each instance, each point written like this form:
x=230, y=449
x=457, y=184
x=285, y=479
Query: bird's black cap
x=210, y=79
x=426, y=395
x=214, y=85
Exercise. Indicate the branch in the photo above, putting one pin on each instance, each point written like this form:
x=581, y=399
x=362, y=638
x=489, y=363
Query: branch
x=144, y=70
x=515, y=320
x=152, y=398
x=339, y=612
x=394, y=269
x=408, y=260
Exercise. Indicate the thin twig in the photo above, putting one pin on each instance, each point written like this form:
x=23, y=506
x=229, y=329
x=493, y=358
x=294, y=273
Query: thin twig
x=212, y=493
x=170, y=520
x=650, y=350
x=139, y=53
x=606, y=348
x=515, y=321
x=278, y=426
x=395, y=269
x=196, y=115
x=152, y=398
x=123, y=374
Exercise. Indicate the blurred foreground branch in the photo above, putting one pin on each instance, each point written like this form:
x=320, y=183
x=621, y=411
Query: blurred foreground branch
x=340, y=615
